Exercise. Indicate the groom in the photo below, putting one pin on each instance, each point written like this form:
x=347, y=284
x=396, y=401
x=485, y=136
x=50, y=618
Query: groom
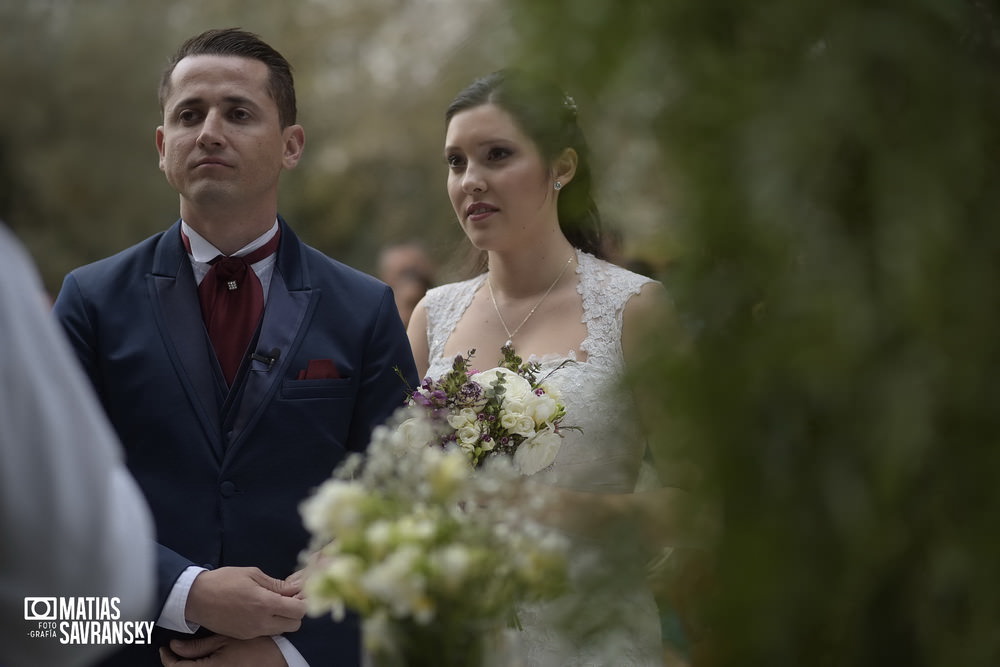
x=237, y=364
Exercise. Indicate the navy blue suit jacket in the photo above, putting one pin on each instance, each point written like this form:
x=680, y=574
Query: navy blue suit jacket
x=224, y=471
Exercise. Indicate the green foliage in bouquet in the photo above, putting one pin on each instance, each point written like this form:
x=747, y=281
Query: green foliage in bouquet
x=834, y=255
x=503, y=411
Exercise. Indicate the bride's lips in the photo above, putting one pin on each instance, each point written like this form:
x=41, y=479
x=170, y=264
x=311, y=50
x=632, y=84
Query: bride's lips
x=479, y=211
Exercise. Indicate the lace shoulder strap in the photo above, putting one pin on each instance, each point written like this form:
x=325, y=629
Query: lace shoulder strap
x=605, y=289
x=445, y=306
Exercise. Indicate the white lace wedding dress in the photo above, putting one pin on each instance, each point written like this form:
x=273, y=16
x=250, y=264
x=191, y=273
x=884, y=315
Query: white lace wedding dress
x=594, y=625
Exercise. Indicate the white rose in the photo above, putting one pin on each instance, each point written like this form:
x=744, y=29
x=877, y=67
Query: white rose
x=516, y=388
x=537, y=452
x=415, y=432
x=516, y=404
x=517, y=422
x=551, y=391
x=463, y=418
x=468, y=435
x=542, y=409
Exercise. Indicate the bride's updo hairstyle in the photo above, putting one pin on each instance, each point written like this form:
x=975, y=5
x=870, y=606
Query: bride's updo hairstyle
x=548, y=117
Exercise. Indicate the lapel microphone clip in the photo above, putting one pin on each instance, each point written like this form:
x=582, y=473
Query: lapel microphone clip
x=269, y=358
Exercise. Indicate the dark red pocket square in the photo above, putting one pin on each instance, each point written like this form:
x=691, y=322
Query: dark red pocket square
x=319, y=369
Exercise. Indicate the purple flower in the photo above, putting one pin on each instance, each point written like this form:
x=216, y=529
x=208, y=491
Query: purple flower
x=469, y=392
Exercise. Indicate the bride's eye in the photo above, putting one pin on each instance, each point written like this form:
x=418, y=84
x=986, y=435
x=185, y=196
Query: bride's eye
x=498, y=153
x=454, y=161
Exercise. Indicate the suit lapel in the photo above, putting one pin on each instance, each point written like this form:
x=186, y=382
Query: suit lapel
x=173, y=288
x=289, y=308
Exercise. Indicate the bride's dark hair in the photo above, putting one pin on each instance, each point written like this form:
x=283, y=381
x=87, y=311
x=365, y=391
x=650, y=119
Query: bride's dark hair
x=549, y=118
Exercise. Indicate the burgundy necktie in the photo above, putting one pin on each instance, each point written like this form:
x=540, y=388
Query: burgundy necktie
x=232, y=302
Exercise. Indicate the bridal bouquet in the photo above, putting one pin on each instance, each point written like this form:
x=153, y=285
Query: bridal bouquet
x=505, y=410
x=430, y=552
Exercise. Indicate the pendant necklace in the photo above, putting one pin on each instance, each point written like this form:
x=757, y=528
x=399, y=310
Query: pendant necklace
x=511, y=334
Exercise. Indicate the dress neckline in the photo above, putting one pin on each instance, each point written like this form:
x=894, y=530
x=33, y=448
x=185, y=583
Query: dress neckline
x=476, y=283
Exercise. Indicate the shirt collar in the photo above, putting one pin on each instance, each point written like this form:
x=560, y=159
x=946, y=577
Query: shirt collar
x=204, y=252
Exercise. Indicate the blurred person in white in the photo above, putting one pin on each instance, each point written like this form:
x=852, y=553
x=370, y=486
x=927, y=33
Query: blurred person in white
x=73, y=523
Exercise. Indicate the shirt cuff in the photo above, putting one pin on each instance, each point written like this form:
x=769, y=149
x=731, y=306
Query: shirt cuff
x=290, y=653
x=172, y=614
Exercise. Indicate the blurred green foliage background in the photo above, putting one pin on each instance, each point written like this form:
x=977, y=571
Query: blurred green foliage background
x=816, y=183
x=834, y=221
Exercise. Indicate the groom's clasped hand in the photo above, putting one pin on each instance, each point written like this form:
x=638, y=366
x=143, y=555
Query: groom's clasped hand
x=267, y=606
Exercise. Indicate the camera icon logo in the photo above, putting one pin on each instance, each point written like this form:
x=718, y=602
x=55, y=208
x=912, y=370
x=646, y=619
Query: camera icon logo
x=40, y=609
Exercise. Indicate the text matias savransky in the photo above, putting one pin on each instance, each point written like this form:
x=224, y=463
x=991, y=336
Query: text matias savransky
x=84, y=620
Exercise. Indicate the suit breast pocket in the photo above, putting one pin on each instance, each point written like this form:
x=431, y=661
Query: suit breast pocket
x=326, y=388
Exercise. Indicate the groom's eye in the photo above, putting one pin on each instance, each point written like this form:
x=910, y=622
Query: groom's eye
x=187, y=116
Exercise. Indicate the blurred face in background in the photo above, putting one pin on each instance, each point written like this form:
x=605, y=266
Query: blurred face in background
x=409, y=271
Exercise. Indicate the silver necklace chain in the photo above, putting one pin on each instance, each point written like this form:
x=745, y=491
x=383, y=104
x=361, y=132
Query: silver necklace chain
x=511, y=334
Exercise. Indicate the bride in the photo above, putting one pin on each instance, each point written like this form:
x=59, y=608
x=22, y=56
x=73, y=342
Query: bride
x=520, y=183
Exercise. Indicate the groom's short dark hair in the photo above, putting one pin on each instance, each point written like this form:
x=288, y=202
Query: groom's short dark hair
x=243, y=44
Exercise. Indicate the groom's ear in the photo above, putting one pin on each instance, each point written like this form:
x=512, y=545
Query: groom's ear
x=564, y=166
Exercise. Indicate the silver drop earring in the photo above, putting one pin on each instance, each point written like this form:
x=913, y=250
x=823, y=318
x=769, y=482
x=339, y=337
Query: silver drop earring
x=558, y=185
